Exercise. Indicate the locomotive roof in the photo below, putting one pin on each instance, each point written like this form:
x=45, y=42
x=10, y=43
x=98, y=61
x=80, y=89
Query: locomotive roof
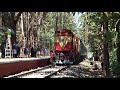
x=63, y=32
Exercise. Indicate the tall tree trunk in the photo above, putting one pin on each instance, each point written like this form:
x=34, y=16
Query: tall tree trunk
x=86, y=29
x=56, y=26
x=105, y=49
x=13, y=39
x=14, y=20
x=22, y=31
x=64, y=13
x=60, y=18
x=10, y=19
x=118, y=41
x=0, y=19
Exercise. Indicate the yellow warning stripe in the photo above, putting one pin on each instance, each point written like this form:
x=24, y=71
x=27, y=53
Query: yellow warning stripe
x=65, y=39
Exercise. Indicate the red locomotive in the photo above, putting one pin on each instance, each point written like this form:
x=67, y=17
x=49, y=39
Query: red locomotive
x=66, y=47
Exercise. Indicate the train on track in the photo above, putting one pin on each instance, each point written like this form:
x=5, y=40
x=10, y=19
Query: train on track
x=68, y=48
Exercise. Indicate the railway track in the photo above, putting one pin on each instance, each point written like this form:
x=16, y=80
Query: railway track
x=55, y=73
x=44, y=72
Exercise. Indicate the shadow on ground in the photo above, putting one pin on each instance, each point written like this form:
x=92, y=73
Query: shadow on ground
x=82, y=71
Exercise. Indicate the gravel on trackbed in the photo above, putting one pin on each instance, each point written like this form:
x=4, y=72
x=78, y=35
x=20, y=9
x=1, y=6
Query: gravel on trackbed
x=82, y=70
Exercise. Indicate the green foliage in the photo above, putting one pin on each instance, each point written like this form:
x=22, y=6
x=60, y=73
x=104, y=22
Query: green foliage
x=96, y=34
x=2, y=35
x=93, y=21
x=2, y=38
x=48, y=26
x=115, y=69
x=114, y=65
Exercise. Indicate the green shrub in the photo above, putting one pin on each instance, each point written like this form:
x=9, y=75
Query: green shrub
x=115, y=69
x=114, y=65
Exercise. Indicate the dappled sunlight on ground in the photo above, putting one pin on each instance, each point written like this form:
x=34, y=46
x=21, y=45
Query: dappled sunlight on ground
x=83, y=70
